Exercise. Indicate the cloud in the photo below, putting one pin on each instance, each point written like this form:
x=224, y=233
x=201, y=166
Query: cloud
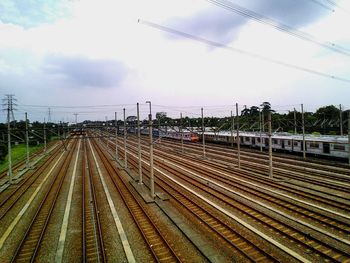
x=86, y=72
x=31, y=13
x=222, y=25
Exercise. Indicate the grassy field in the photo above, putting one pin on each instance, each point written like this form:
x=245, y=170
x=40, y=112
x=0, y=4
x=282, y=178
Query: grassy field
x=18, y=153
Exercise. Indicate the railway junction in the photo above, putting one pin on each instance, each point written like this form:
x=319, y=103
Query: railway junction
x=106, y=198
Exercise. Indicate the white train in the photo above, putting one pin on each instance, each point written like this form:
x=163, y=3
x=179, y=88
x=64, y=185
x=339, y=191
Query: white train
x=331, y=146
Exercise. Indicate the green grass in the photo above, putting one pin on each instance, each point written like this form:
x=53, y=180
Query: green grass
x=19, y=152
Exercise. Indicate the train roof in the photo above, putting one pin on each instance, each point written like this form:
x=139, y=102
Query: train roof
x=287, y=136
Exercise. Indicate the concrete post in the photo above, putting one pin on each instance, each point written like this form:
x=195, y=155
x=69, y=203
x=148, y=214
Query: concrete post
x=139, y=144
x=238, y=139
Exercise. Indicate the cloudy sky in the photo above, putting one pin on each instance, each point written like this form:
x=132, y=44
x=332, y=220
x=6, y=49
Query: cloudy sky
x=83, y=55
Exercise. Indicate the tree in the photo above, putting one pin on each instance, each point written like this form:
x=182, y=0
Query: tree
x=254, y=110
x=266, y=107
x=160, y=115
x=328, y=112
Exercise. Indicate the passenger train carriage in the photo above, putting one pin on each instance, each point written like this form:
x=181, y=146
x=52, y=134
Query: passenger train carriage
x=332, y=146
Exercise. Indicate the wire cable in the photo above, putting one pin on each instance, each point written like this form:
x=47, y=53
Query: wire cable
x=247, y=53
x=277, y=25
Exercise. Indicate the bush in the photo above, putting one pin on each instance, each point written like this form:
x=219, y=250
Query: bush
x=3, y=151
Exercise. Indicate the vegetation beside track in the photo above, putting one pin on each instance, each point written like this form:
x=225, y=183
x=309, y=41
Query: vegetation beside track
x=18, y=153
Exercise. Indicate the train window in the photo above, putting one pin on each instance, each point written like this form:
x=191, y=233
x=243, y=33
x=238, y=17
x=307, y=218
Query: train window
x=288, y=142
x=275, y=141
x=339, y=147
x=314, y=144
x=295, y=143
x=247, y=139
x=258, y=140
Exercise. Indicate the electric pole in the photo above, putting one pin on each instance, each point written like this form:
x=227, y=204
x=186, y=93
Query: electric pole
x=340, y=120
x=203, y=129
x=151, y=150
x=303, y=128
x=261, y=143
x=295, y=121
x=139, y=143
x=49, y=116
x=125, y=153
x=116, y=136
x=9, y=98
x=349, y=134
x=238, y=139
x=182, y=135
x=232, y=126
x=44, y=135
x=27, y=142
x=270, y=145
x=76, y=118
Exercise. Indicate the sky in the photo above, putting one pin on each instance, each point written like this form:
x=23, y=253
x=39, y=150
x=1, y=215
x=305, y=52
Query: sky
x=95, y=58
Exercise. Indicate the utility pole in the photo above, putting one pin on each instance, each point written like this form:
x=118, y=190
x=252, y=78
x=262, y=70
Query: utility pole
x=27, y=142
x=270, y=146
x=203, y=138
x=151, y=150
x=116, y=136
x=9, y=102
x=182, y=135
x=107, y=132
x=159, y=127
x=263, y=120
x=76, y=118
x=125, y=154
x=49, y=116
x=341, y=120
x=139, y=143
x=261, y=142
x=349, y=134
x=44, y=135
x=303, y=128
x=232, y=126
x=238, y=140
x=295, y=121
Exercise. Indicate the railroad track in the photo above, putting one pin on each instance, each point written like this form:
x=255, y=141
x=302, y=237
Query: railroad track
x=92, y=237
x=234, y=179
x=10, y=198
x=325, y=196
x=29, y=245
x=293, y=235
x=316, y=177
x=157, y=243
x=243, y=249
x=307, y=167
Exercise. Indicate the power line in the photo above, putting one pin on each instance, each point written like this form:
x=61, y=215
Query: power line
x=277, y=25
x=323, y=5
x=247, y=53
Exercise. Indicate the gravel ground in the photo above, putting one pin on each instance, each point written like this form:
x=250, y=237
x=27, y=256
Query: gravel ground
x=21, y=226
x=48, y=246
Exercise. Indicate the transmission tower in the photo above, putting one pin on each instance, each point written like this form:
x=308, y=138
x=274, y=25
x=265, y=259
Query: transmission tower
x=9, y=107
x=49, y=116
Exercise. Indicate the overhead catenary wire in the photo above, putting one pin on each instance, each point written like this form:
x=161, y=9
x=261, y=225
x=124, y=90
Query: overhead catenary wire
x=323, y=5
x=240, y=51
x=277, y=25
